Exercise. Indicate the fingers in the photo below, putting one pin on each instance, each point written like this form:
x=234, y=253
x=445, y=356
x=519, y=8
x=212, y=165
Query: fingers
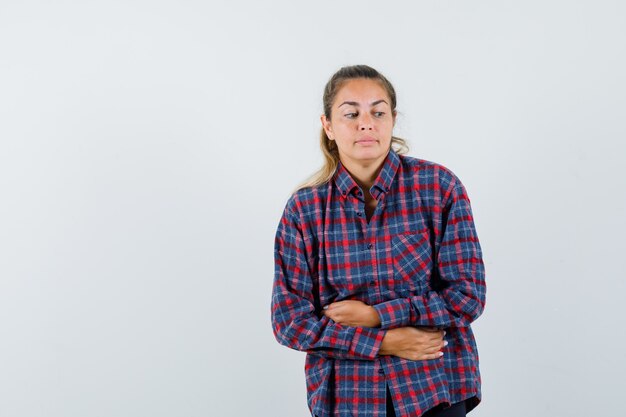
x=434, y=349
x=342, y=310
x=429, y=346
x=332, y=308
x=334, y=313
x=422, y=356
x=329, y=314
x=427, y=353
x=431, y=337
x=436, y=355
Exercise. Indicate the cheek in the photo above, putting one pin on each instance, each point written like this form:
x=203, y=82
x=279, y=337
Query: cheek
x=346, y=123
x=388, y=127
x=343, y=129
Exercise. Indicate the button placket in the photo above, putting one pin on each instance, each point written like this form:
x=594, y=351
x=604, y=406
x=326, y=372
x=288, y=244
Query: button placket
x=370, y=246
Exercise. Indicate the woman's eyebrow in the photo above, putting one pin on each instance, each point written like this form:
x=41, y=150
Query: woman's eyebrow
x=354, y=103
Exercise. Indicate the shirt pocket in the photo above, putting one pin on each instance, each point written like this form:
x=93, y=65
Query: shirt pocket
x=412, y=262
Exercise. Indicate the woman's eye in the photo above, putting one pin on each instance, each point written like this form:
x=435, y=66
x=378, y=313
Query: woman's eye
x=379, y=113
x=351, y=115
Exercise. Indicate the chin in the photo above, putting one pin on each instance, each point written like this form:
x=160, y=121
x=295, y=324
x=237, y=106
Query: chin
x=370, y=154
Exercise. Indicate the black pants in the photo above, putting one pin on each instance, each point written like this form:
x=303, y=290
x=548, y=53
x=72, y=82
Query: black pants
x=455, y=410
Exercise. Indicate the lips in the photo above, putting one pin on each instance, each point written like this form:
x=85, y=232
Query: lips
x=366, y=139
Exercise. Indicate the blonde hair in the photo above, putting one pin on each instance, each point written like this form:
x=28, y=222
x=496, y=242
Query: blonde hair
x=328, y=147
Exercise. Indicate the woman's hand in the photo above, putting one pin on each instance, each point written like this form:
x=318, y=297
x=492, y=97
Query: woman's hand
x=413, y=343
x=352, y=313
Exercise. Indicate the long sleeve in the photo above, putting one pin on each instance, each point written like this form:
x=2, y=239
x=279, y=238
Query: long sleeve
x=459, y=264
x=295, y=321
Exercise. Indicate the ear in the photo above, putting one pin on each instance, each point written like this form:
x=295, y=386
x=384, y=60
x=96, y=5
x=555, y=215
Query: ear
x=327, y=127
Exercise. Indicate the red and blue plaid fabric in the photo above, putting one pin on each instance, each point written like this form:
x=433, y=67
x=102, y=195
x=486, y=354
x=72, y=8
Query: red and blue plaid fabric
x=418, y=261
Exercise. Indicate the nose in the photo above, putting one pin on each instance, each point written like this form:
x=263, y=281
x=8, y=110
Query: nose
x=365, y=122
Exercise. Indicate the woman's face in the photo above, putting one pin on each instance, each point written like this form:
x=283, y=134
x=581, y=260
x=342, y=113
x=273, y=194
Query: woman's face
x=361, y=122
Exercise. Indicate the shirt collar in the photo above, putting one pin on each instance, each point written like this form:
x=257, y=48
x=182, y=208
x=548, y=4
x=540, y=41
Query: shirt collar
x=346, y=184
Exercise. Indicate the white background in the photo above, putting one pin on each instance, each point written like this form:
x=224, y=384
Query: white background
x=147, y=149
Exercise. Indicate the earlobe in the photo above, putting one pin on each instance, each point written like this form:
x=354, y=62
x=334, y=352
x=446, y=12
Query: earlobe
x=326, y=126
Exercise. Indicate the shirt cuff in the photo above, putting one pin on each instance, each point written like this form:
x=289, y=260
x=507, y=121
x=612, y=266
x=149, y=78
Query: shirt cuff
x=366, y=342
x=394, y=313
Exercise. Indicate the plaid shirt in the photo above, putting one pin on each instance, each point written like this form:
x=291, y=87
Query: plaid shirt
x=417, y=261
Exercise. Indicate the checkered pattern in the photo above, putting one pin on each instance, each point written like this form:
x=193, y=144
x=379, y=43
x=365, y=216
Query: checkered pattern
x=418, y=261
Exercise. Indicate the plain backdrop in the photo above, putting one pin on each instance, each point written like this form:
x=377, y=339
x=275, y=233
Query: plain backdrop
x=147, y=149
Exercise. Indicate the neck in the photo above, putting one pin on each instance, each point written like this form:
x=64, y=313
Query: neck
x=364, y=173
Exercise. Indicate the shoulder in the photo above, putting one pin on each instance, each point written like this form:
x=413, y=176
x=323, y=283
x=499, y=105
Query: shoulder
x=430, y=172
x=306, y=201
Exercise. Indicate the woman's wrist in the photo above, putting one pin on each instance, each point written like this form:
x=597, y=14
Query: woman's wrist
x=375, y=318
x=387, y=347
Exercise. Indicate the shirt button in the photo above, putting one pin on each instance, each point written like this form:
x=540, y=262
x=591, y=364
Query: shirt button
x=372, y=283
x=381, y=371
x=370, y=246
x=358, y=213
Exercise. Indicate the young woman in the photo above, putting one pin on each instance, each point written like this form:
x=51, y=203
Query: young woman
x=378, y=268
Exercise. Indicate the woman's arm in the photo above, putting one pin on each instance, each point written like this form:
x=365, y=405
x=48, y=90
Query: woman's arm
x=295, y=321
x=461, y=270
x=406, y=342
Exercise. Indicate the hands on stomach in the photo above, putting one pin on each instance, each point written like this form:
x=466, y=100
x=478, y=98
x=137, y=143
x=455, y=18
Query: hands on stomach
x=412, y=343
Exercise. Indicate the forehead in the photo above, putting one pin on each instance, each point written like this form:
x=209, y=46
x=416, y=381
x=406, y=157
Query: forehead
x=361, y=90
